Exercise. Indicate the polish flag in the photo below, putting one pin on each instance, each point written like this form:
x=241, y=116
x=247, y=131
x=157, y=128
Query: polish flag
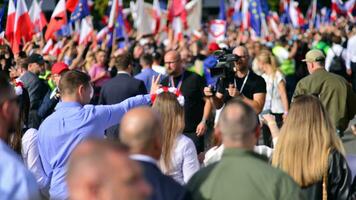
x=71, y=4
x=58, y=19
x=48, y=47
x=37, y=17
x=295, y=14
x=56, y=50
x=10, y=21
x=23, y=25
x=156, y=15
x=245, y=15
x=86, y=31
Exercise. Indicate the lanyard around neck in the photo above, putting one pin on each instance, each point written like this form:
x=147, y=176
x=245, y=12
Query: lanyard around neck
x=179, y=83
x=243, y=83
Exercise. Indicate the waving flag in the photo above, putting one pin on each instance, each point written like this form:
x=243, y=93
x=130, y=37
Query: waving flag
x=256, y=14
x=295, y=14
x=115, y=6
x=222, y=10
x=157, y=15
x=80, y=11
x=37, y=17
x=10, y=22
x=245, y=15
x=58, y=19
x=236, y=17
x=311, y=13
x=71, y=4
x=86, y=31
x=23, y=27
x=2, y=13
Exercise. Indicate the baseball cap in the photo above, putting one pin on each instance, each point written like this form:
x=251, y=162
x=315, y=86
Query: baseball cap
x=59, y=67
x=35, y=58
x=213, y=46
x=314, y=55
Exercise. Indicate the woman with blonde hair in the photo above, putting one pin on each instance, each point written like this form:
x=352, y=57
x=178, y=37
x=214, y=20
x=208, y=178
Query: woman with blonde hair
x=276, y=102
x=309, y=150
x=179, y=157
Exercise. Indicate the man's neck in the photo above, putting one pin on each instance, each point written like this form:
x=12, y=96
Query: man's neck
x=178, y=74
x=146, y=67
x=68, y=99
x=242, y=73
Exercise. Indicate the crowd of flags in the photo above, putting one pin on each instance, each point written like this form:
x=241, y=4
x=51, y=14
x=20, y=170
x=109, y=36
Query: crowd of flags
x=181, y=17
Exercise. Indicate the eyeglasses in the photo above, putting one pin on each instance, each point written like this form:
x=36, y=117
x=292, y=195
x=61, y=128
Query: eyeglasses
x=171, y=62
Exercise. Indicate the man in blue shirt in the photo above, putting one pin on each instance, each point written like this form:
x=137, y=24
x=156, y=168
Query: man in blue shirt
x=16, y=182
x=147, y=72
x=73, y=122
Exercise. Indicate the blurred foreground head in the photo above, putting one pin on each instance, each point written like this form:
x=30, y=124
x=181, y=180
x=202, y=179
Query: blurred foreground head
x=103, y=170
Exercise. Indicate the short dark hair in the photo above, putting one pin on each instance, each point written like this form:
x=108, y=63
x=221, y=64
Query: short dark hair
x=71, y=80
x=22, y=63
x=146, y=59
x=123, y=61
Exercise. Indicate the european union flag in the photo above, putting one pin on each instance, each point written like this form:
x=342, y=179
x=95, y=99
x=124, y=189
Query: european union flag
x=222, y=10
x=119, y=32
x=256, y=14
x=2, y=12
x=81, y=11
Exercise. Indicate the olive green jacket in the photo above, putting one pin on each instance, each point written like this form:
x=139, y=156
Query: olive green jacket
x=335, y=94
x=242, y=174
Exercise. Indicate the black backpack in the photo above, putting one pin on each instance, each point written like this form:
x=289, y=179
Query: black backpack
x=337, y=64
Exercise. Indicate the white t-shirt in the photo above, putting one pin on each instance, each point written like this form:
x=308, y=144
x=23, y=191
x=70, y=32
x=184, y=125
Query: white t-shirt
x=273, y=98
x=184, y=160
x=159, y=69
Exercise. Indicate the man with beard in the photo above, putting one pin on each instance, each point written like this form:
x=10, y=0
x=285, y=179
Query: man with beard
x=197, y=109
x=15, y=181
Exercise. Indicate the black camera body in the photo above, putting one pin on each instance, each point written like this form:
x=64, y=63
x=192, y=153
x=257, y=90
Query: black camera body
x=225, y=66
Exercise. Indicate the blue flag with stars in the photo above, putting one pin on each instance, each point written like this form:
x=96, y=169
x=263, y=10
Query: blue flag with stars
x=119, y=32
x=256, y=14
x=2, y=12
x=80, y=11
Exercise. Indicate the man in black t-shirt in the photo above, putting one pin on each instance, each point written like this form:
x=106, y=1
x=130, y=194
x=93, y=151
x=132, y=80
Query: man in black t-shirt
x=197, y=109
x=245, y=84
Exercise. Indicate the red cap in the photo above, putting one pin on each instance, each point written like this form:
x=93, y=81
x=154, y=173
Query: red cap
x=213, y=46
x=59, y=67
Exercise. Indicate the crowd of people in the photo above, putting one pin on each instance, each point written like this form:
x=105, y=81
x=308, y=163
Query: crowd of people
x=156, y=121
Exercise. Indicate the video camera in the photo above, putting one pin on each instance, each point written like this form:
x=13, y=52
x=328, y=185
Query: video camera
x=225, y=66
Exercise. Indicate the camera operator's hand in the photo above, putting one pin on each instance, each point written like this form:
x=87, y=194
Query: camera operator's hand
x=208, y=92
x=233, y=92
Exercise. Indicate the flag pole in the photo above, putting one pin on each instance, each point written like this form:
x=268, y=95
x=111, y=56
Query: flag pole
x=113, y=48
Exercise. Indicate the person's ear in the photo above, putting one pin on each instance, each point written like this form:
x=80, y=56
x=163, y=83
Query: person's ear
x=5, y=110
x=217, y=136
x=81, y=90
x=257, y=132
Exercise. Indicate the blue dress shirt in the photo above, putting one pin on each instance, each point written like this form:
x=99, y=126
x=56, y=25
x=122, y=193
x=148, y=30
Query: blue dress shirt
x=16, y=182
x=70, y=124
x=146, y=76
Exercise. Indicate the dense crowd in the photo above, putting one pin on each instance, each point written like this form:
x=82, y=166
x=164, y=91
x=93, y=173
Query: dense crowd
x=152, y=120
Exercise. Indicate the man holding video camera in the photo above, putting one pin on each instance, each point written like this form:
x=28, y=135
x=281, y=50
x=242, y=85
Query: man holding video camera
x=244, y=84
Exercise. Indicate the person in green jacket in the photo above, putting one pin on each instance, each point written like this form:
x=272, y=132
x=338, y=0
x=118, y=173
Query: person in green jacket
x=333, y=90
x=241, y=173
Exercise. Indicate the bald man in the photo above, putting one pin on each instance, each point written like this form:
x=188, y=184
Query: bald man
x=141, y=130
x=245, y=84
x=241, y=173
x=197, y=109
x=103, y=170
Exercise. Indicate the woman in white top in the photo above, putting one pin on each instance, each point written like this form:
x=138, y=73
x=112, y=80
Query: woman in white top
x=336, y=57
x=179, y=157
x=276, y=98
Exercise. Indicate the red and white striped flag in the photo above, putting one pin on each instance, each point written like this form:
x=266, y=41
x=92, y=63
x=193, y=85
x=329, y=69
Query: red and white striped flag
x=157, y=16
x=58, y=19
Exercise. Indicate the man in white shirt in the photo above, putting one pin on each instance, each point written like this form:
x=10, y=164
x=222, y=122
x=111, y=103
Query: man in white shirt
x=351, y=57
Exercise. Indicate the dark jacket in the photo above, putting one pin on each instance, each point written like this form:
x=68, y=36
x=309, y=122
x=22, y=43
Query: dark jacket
x=116, y=90
x=339, y=181
x=163, y=187
x=47, y=106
